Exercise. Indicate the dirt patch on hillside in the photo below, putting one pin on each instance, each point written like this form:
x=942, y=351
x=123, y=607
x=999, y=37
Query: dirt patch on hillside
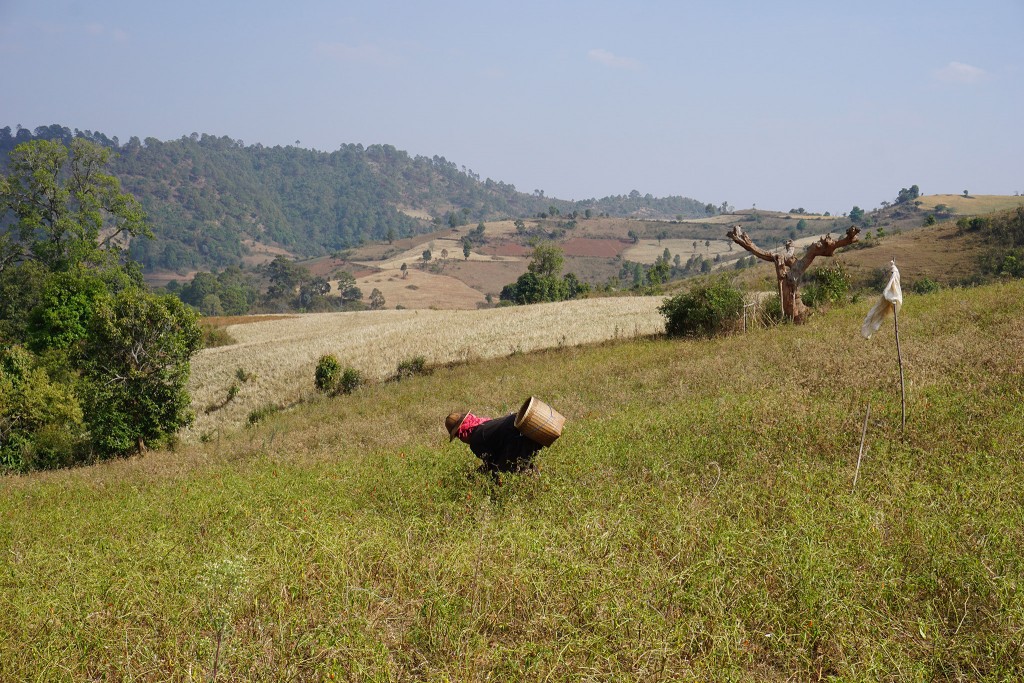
x=486, y=276
x=420, y=289
x=260, y=252
x=225, y=320
x=505, y=249
x=326, y=266
x=160, y=278
x=600, y=248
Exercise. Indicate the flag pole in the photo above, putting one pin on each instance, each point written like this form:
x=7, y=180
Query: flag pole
x=899, y=357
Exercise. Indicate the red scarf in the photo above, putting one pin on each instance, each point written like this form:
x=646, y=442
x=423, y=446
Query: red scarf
x=468, y=425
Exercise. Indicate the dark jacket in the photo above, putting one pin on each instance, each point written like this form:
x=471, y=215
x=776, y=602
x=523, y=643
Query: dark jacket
x=500, y=445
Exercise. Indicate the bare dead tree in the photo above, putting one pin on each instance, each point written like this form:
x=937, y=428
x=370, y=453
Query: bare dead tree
x=789, y=270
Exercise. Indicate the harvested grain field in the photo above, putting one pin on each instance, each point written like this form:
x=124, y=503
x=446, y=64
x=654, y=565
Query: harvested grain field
x=281, y=355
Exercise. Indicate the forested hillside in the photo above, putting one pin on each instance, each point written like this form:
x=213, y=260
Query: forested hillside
x=206, y=195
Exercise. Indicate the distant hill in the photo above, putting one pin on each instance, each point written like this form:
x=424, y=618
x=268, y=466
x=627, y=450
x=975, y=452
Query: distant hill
x=214, y=200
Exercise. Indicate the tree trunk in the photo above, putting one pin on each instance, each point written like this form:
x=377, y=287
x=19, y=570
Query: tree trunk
x=789, y=270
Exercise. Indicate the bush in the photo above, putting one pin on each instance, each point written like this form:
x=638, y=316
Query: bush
x=411, y=367
x=703, y=311
x=215, y=336
x=327, y=375
x=771, y=313
x=925, y=286
x=351, y=380
x=826, y=285
x=40, y=420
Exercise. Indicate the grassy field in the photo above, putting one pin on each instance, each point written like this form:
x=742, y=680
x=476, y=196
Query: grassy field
x=696, y=521
x=280, y=355
x=972, y=205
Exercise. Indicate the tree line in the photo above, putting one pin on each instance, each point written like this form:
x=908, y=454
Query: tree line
x=206, y=195
x=92, y=365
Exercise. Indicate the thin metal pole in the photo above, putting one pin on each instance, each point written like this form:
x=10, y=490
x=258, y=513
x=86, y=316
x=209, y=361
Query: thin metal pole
x=899, y=356
x=863, y=435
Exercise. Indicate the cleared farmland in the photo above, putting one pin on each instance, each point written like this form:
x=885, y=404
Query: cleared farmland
x=280, y=355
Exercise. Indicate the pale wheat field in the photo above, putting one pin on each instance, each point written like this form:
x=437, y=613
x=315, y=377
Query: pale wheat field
x=281, y=355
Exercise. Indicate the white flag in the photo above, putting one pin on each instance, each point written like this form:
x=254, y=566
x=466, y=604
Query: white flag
x=892, y=300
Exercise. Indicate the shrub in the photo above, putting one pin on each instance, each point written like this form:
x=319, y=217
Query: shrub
x=351, y=380
x=411, y=367
x=215, y=336
x=703, y=311
x=770, y=312
x=328, y=372
x=40, y=420
x=827, y=285
x=261, y=413
x=925, y=286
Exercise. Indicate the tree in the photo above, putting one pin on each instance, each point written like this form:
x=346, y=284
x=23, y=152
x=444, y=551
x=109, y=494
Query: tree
x=136, y=370
x=405, y=270
x=546, y=260
x=285, y=277
x=789, y=270
x=444, y=254
x=376, y=300
x=857, y=214
x=466, y=244
x=113, y=359
x=62, y=209
x=908, y=194
x=426, y=256
x=347, y=289
x=313, y=289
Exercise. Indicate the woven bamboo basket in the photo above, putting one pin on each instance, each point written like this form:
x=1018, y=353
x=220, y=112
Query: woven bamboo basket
x=540, y=422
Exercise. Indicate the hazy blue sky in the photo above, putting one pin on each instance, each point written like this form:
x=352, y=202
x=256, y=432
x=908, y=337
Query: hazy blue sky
x=820, y=104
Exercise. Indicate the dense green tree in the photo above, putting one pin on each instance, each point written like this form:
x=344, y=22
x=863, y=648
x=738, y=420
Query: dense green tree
x=546, y=260
x=347, y=289
x=63, y=208
x=908, y=194
x=101, y=365
x=136, y=370
x=376, y=300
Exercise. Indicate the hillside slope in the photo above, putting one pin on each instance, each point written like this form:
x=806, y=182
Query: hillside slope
x=697, y=520
x=207, y=196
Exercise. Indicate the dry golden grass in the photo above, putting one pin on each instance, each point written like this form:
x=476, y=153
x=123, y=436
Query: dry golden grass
x=414, y=255
x=649, y=251
x=420, y=289
x=282, y=354
x=972, y=205
x=937, y=252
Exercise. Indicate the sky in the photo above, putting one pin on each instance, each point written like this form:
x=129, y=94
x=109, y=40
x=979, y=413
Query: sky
x=775, y=105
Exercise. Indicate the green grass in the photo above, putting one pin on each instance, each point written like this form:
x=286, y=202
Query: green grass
x=695, y=522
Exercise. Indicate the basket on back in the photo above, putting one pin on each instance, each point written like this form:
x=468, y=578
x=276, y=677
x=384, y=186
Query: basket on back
x=540, y=422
